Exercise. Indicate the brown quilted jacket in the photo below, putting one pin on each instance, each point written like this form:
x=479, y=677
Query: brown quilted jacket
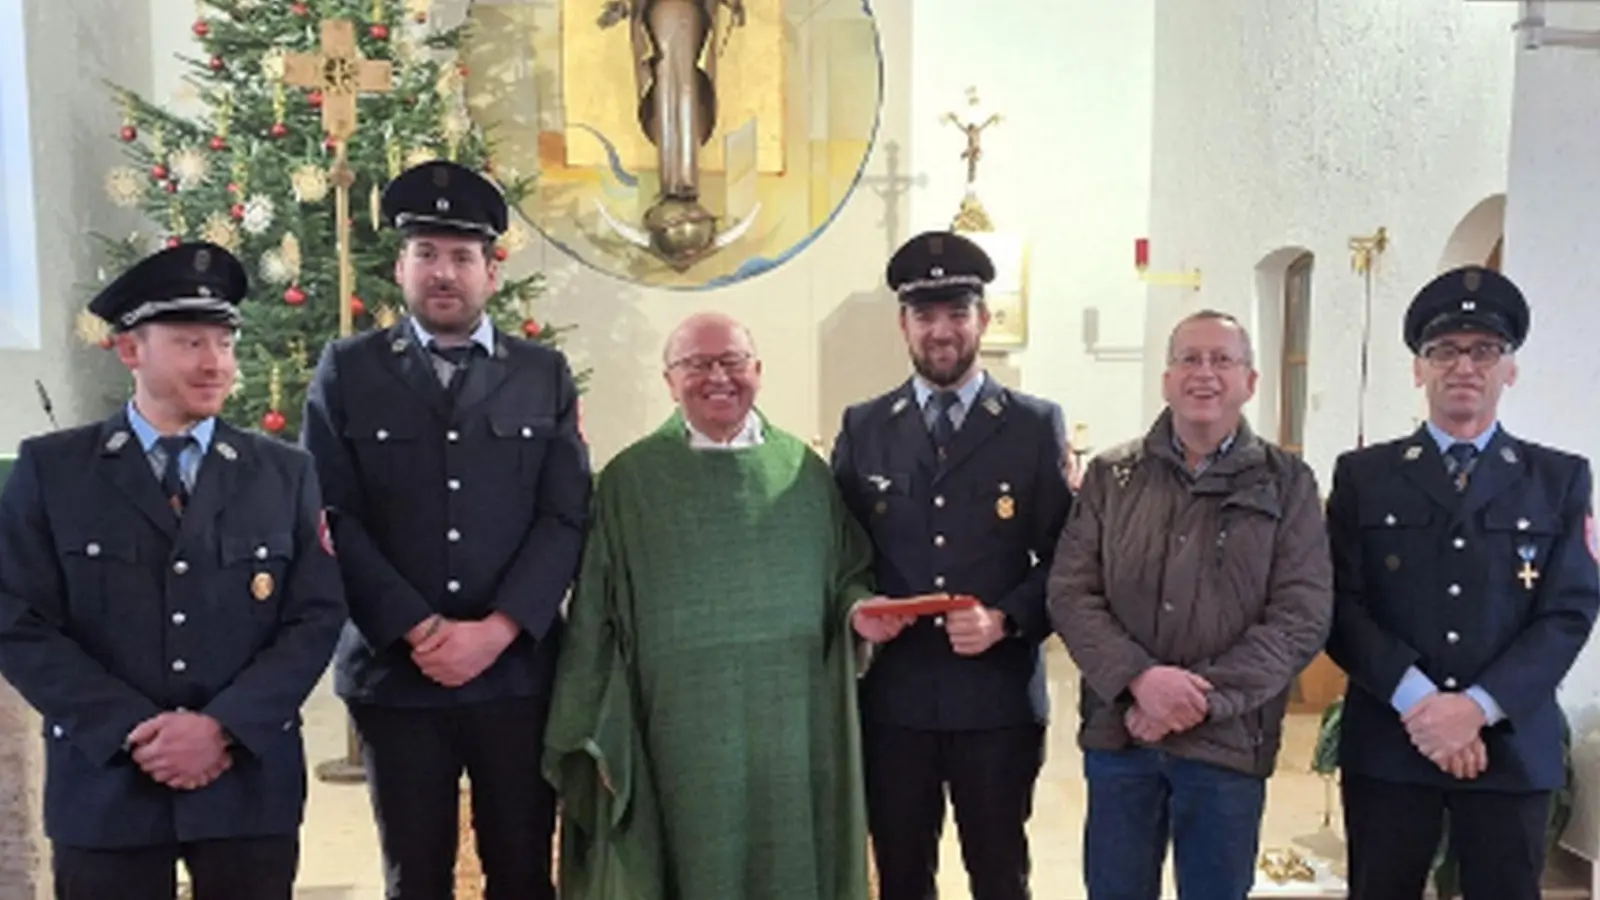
x=1226, y=574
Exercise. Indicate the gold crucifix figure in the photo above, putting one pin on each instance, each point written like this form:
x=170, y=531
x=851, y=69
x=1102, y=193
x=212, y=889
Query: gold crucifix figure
x=973, y=131
x=340, y=72
x=1528, y=575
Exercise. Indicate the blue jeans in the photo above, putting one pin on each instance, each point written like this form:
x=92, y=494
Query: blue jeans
x=1139, y=798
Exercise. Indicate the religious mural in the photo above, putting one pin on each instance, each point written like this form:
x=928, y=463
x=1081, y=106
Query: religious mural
x=679, y=143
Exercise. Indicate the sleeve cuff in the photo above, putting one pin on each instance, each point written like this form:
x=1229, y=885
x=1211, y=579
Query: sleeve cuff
x=1491, y=709
x=1412, y=688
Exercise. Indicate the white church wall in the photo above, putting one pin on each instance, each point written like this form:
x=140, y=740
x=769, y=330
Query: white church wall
x=1067, y=168
x=1302, y=125
x=1552, y=233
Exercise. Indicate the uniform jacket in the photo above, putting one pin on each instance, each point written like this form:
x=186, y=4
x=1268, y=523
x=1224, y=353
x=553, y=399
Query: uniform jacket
x=1225, y=574
x=461, y=506
x=1428, y=577
x=983, y=522
x=113, y=610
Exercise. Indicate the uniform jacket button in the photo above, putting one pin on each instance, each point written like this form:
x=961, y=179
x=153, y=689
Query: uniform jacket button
x=452, y=435
x=93, y=549
x=180, y=567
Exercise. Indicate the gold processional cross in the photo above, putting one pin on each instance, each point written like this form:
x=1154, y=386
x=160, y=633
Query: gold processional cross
x=340, y=72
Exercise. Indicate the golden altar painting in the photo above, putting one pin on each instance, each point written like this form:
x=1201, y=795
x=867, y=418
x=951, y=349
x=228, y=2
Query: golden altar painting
x=780, y=99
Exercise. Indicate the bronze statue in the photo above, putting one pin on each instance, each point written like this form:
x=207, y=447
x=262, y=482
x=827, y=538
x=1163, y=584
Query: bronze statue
x=974, y=151
x=677, y=112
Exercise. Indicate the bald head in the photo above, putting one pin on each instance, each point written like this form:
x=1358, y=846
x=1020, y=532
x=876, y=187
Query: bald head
x=706, y=328
x=713, y=373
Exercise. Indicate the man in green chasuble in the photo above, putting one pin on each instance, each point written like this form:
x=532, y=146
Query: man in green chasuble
x=703, y=735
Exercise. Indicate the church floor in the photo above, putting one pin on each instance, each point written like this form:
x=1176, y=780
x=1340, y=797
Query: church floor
x=340, y=857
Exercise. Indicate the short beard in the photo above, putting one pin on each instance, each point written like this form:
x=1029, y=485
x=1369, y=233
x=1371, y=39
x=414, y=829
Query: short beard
x=963, y=365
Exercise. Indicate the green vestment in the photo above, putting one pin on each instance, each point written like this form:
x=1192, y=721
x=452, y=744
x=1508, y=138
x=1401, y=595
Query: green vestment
x=703, y=733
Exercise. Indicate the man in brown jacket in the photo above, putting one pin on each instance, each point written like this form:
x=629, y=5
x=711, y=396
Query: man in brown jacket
x=1191, y=585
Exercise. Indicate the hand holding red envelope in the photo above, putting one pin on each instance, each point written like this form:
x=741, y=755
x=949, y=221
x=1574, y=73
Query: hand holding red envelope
x=921, y=605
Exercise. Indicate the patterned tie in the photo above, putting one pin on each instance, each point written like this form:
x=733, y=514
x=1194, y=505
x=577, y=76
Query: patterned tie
x=172, y=446
x=457, y=357
x=944, y=427
x=1459, y=461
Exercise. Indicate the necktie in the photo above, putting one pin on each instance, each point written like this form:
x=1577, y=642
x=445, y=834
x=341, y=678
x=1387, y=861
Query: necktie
x=1459, y=460
x=457, y=357
x=172, y=447
x=944, y=428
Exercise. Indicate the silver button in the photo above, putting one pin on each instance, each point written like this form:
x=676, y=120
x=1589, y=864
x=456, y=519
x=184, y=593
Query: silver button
x=938, y=540
x=57, y=730
x=1452, y=636
x=1450, y=683
x=939, y=501
x=179, y=665
x=452, y=435
x=527, y=432
x=938, y=621
x=1389, y=519
x=92, y=549
x=452, y=586
x=453, y=484
x=1005, y=487
x=1459, y=543
x=1166, y=606
x=288, y=725
x=1522, y=524
x=452, y=535
x=178, y=618
x=938, y=581
x=261, y=552
x=382, y=435
x=1455, y=590
x=180, y=567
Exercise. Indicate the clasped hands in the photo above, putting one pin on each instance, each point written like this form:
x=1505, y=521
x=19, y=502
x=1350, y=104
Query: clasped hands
x=183, y=750
x=1167, y=700
x=1445, y=727
x=972, y=631
x=453, y=653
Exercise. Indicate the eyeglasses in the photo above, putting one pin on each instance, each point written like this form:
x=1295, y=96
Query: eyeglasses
x=1483, y=354
x=731, y=363
x=1220, y=362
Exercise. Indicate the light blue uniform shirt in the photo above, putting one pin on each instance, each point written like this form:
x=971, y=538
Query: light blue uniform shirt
x=966, y=395
x=188, y=460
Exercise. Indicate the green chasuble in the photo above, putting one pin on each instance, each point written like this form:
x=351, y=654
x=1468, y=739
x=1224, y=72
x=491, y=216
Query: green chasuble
x=703, y=734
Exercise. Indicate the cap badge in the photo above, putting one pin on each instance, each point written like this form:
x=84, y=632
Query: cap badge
x=205, y=291
x=937, y=271
x=442, y=205
x=1469, y=305
x=1472, y=280
x=202, y=260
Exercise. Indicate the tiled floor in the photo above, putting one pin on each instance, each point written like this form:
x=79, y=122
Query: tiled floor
x=340, y=860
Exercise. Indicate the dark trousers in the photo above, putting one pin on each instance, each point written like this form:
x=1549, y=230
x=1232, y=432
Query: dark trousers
x=414, y=760
x=232, y=869
x=1393, y=831
x=1139, y=799
x=991, y=776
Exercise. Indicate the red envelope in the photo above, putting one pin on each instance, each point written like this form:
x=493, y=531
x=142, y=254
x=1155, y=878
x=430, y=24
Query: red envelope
x=924, y=605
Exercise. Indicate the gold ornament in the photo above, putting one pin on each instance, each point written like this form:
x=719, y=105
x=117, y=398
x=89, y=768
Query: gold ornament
x=275, y=387
x=91, y=329
x=219, y=229
x=420, y=155
x=386, y=317
x=124, y=186
x=449, y=82
x=417, y=10
x=273, y=66
x=396, y=158
x=310, y=184
x=515, y=238
x=190, y=168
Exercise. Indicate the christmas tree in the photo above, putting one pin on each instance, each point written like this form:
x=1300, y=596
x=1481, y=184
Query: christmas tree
x=258, y=172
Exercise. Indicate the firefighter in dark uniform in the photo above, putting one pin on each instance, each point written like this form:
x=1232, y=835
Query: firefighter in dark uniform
x=1465, y=585
x=458, y=489
x=167, y=601
x=961, y=483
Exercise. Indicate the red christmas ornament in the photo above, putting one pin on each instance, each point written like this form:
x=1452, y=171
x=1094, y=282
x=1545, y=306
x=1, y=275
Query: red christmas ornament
x=500, y=253
x=129, y=134
x=158, y=171
x=217, y=65
x=201, y=28
x=300, y=9
x=294, y=296
x=278, y=130
x=379, y=32
x=174, y=241
x=531, y=328
x=237, y=211
x=331, y=143
x=171, y=186
x=218, y=143
x=315, y=99
x=233, y=187
x=274, y=421
x=357, y=308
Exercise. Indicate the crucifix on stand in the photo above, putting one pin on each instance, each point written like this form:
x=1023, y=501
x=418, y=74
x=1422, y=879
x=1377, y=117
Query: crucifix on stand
x=339, y=71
